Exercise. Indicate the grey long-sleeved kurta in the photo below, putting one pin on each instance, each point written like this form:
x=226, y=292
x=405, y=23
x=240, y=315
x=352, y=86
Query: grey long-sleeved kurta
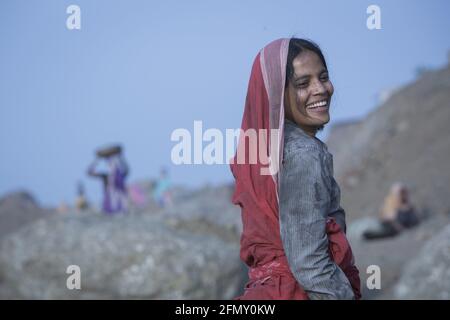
x=308, y=195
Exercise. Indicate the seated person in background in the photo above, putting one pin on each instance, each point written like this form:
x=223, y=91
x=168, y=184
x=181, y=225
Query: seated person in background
x=396, y=215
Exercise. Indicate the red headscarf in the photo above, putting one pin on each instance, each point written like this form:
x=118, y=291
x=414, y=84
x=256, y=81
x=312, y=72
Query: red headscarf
x=256, y=190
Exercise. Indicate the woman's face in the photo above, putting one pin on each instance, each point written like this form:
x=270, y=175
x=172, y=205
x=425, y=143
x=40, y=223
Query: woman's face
x=308, y=94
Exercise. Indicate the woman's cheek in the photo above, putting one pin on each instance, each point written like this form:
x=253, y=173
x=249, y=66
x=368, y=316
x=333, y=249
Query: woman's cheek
x=301, y=99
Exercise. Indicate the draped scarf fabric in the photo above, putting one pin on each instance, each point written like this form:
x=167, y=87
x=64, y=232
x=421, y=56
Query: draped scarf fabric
x=256, y=188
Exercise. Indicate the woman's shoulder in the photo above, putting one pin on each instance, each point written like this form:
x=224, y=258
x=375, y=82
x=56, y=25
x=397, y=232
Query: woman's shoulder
x=303, y=154
x=296, y=141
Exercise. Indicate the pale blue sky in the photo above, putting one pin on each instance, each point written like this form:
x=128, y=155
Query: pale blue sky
x=137, y=70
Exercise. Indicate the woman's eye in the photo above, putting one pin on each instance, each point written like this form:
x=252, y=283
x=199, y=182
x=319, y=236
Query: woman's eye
x=302, y=84
x=324, y=78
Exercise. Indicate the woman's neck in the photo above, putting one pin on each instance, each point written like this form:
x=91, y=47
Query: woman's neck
x=310, y=131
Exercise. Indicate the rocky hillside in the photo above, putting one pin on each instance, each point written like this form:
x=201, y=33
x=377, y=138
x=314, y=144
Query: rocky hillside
x=406, y=139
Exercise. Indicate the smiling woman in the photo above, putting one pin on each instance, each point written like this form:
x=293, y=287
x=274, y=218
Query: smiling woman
x=293, y=238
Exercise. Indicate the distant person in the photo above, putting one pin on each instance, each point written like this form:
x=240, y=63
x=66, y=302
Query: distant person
x=137, y=195
x=162, y=193
x=115, y=197
x=81, y=203
x=396, y=214
x=62, y=208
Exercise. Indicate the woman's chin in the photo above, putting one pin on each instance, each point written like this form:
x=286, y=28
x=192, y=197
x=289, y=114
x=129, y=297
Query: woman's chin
x=320, y=120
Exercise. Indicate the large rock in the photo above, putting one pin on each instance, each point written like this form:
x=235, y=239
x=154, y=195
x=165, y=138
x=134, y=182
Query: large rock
x=208, y=209
x=392, y=255
x=427, y=276
x=133, y=256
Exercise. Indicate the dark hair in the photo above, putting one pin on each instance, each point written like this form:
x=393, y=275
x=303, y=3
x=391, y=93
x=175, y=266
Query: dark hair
x=297, y=46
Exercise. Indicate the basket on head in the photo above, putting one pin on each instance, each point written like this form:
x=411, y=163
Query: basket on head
x=109, y=151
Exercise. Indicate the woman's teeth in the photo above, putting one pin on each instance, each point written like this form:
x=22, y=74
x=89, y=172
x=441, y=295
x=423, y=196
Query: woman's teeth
x=322, y=103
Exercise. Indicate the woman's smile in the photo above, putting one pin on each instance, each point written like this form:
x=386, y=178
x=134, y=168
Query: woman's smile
x=320, y=106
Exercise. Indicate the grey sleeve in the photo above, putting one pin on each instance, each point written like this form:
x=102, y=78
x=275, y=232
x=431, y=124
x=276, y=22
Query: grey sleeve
x=304, y=203
x=336, y=210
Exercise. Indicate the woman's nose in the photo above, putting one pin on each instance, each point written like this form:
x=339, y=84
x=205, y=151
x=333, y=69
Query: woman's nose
x=318, y=88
